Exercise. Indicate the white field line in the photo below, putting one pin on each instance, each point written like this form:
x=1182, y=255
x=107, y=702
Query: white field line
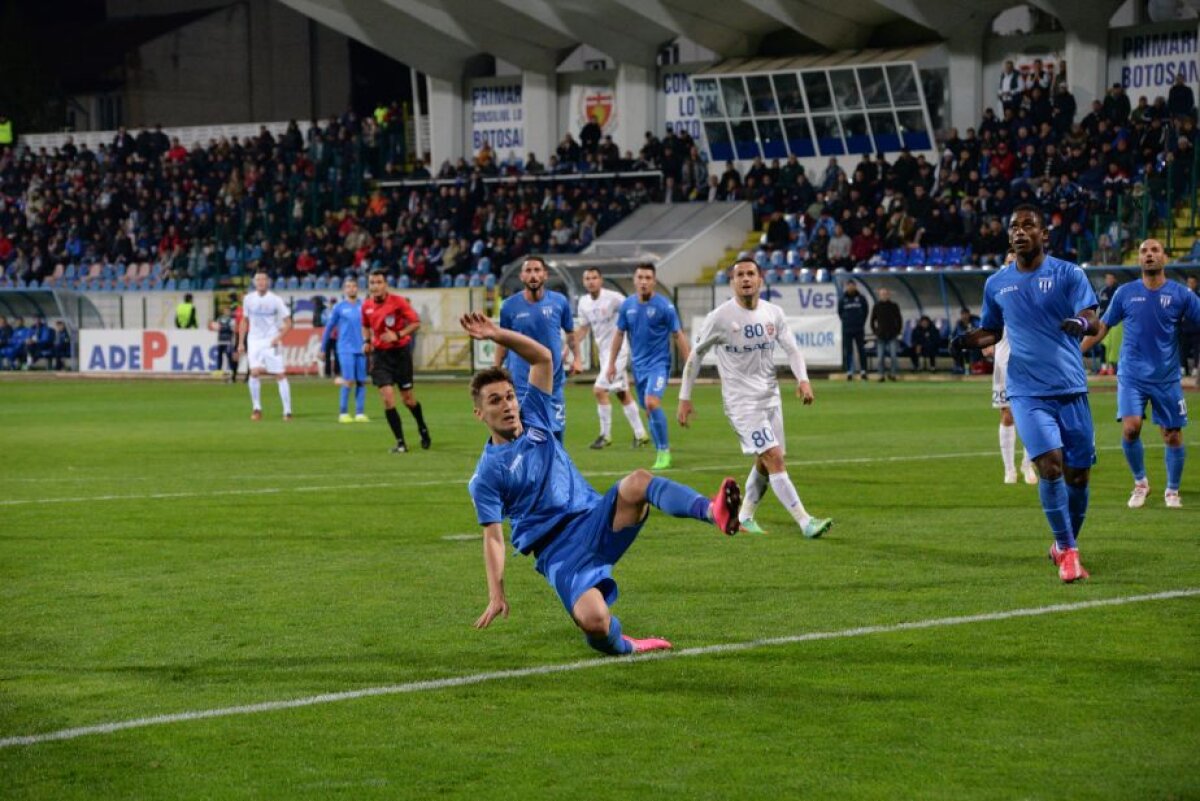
x=721, y=468
x=570, y=667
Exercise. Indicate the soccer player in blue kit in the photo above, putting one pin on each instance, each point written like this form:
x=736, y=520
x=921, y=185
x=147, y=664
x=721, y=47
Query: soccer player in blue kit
x=576, y=534
x=541, y=315
x=650, y=321
x=346, y=319
x=1044, y=305
x=1152, y=310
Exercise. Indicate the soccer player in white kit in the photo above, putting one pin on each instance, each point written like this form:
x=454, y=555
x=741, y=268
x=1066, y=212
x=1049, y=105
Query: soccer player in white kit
x=265, y=320
x=1008, y=429
x=598, y=310
x=745, y=330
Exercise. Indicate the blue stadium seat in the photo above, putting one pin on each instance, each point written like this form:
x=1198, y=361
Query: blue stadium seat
x=210, y=283
x=171, y=285
x=896, y=257
x=721, y=278
x=794, y=259
x=489, y=281
x=321, y=283
x=916, y=257
x=793, y=223
x=447, y=281
x=805, y=275
x=308, y=284
x=404, y=283
x=475, y=280
x=335, y=283
x=477, y=248
x=789, y=276
x=906, y=333
x=822, y=276
x=777, y=259
x=760, y=258
x=460, y=280
x=484, y=265
x=937, y=255
x=294, y=282
x=185, y=284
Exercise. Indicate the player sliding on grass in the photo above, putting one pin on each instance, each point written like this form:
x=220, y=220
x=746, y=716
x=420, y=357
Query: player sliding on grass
x=1044, y=306
x=576, y=534
x=1152, y=310
x=745, y=331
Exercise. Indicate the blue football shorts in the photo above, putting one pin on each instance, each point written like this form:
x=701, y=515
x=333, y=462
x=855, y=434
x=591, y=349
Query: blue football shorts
x=1166, y=400
x=651, y=382
x=354, y=366
x=1061, y=421
x=584, y=552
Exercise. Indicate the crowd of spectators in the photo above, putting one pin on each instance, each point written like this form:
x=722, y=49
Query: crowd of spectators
x=1099, y=179
x=301, y=203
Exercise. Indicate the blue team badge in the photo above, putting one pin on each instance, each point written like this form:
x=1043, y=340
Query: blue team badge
x=547, y=312
x=1046, y=284
x=650, y=311
x=1165, y=300
x=389, y=321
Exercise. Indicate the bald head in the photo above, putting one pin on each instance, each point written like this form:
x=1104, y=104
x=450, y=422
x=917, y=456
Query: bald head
x=1151, y=256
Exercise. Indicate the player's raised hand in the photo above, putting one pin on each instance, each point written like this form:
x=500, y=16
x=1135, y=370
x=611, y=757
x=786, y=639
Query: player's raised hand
x=478, y=325
x=805, y=393
x=684, y=412
x=495, y=609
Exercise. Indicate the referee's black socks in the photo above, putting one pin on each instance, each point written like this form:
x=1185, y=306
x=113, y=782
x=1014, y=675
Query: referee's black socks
x=419, y=417
x=393, y=418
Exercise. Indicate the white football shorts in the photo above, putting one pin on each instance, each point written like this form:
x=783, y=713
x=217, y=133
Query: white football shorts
x=621, y=382
x=264, y=356
x=759, y=430
x=1000, y=385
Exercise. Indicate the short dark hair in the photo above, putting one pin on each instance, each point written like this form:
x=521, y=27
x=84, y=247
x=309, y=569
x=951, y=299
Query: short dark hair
x=481, y=379
x=382, y=273
x=1032, y=209
x=646, y=266
x=595, y=270
x=536, y=257
x=744, y=260
x=349, y=278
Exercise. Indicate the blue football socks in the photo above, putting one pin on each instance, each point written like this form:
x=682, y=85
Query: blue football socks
x=360, y=398
x=658, y=429
x=676, y=499
x=1175, y=457
x=613, y=644
x=1135, y=454
x=1077, y=503
x=344, y=399
x=1055, y=504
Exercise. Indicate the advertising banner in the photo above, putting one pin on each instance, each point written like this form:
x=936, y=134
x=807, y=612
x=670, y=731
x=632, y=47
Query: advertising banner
x=1146, y=59
x=597, y=103
x=103, y=350
x=497, y=118
x=680, y=111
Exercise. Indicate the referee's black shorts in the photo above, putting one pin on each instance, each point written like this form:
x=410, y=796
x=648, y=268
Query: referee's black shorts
x=392, y=366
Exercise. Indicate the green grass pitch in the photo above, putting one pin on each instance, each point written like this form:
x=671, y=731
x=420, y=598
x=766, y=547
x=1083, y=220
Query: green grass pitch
x=160, y=554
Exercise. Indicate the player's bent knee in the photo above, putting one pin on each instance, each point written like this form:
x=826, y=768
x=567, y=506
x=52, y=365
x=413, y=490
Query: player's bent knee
x=1173, y=437
x=633, y=486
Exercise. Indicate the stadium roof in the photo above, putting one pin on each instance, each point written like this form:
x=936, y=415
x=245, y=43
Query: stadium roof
x=440, y=37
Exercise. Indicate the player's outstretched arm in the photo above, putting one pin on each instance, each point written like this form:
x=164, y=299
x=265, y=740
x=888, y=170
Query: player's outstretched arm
x=541, y=364
x=691, y=371
x=493, y=562
x=976, y=339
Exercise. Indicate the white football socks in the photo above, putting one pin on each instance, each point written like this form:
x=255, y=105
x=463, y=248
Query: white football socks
x=756, y=486
x=635, y=419
x=604, y=411
x=785, y=491
x=255, y=385
x=285, y=395
x=1008, y=447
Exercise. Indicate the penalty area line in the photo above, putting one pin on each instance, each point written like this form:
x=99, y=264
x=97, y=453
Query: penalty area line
x=568, y=667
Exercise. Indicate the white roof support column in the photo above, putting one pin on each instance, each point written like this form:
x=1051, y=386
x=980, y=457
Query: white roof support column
x=539, y=99
x=1087, y=61
x=636, y=96
x=446, y=124
x=968, y=96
